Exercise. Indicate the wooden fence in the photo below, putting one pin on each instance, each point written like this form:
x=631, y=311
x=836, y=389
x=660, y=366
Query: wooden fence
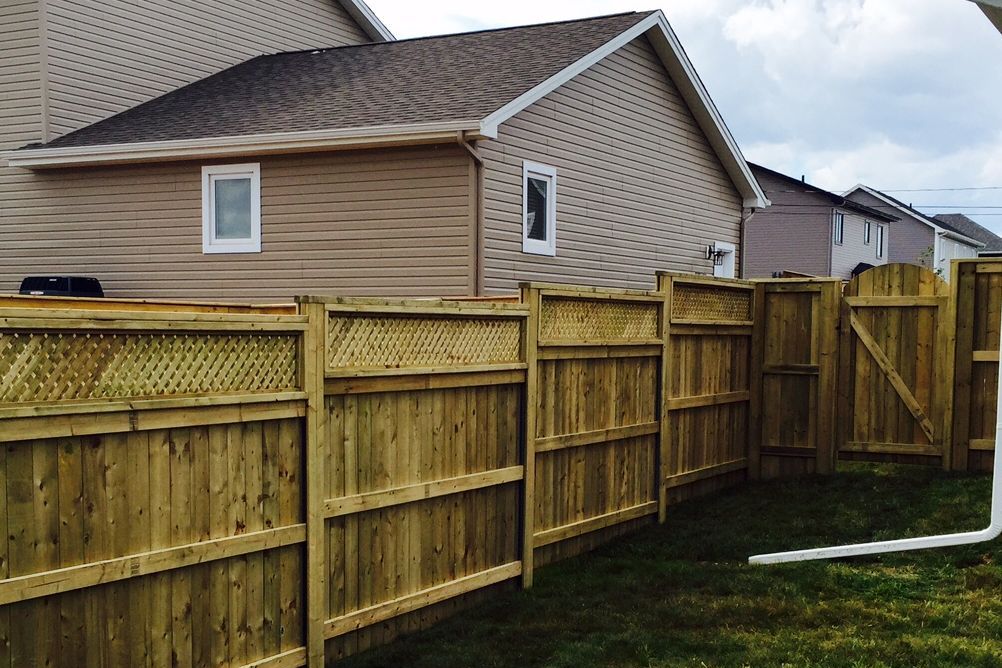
x=281, y=486
x=976, y=292
x=796, y=364
x=897, y=365
x=152, y=509
x=707, y=384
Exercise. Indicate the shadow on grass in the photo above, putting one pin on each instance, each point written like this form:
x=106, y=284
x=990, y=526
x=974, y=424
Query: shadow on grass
x=682, y=594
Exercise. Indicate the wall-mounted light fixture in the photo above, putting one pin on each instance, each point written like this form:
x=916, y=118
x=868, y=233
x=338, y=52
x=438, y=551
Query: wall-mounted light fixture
x=715, y=254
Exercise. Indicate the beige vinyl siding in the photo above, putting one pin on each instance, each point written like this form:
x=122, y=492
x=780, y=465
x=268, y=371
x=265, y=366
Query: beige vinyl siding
x=106, y=57
x=20, y=86
x=638, y=186
x=394, y=222
x=853, y=250
x=20, y=89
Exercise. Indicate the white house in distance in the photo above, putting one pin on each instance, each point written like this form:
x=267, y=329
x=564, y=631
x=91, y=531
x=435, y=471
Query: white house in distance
x=918, y=238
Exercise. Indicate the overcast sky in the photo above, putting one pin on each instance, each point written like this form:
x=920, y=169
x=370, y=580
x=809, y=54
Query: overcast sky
x=897, y=94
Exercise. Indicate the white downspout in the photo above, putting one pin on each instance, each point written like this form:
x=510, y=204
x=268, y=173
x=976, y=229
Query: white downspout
x=993, y=530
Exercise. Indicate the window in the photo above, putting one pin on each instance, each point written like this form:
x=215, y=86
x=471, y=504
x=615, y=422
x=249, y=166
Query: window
x=231, y=209
x=866, y=231
x=838, y=227
x=880, y=241
x=539, y=209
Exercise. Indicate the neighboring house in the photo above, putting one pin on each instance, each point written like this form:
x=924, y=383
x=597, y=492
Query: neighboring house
x=583, y=151
x=958, y=221
x=808, y=230
x=918, y=238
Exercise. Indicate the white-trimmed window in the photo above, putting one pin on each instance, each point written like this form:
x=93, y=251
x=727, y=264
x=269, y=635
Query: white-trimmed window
x=866, y=232
x=880, y=241
x=231, y=208
x=838, y=227
x=539, y=209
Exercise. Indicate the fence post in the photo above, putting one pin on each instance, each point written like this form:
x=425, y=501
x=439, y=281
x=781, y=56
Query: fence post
x=664, y=435
x=314, y=370
x=755, y=384
x=828, y=311
x=962, y=284
x=530, y=336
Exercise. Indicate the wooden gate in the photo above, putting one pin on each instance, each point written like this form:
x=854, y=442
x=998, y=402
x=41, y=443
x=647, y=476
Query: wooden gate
x=896, y=362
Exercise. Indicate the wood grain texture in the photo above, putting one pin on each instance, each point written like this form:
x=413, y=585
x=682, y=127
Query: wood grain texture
x=976, y=313
x=797, y=354
x=897, y=373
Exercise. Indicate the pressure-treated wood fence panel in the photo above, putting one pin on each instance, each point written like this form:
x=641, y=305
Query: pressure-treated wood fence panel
x=707, y=387
x=248, y=487
x=977, y=294
x=897, y=358
x=420, y=459
x=594, y=435
x=152, y=503
x=796, y=351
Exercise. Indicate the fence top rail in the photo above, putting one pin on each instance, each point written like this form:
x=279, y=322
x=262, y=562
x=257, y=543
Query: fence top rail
x=32, y=318
x=698, y=279
x=444, y=305
x=794, y=281
x=141, y=305
x=590, y=292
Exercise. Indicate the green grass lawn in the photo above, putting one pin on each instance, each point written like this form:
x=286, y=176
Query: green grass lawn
x=682, y=595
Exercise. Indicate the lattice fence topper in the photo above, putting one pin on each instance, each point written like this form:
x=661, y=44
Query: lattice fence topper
x=52, y=366
x=699, y=302
x=384, y=342
x=567, y=319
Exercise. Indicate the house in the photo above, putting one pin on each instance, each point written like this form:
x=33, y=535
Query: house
x=808, y=230
x=582, y=151
x=958, y=221
x=918, y=238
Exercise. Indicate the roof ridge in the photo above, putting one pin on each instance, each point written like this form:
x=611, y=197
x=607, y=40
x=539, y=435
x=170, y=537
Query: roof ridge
x=457, y=34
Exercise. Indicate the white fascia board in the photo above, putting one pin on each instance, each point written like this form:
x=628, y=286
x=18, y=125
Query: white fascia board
x=221, y=147
x=367, y=18
x=674, y=59
x=956, y=236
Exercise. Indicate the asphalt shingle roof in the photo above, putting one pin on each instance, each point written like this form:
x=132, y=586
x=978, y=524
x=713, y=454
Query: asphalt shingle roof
x=433, y=79
x=961, y=224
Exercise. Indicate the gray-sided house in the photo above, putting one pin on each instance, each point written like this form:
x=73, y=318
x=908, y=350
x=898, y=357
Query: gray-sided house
x=918, y=238
x=584, y=151
x=958, y=221
x=808, y=230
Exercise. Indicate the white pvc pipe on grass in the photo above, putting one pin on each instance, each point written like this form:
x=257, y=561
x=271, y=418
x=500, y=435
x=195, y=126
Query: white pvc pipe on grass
x=993, y=530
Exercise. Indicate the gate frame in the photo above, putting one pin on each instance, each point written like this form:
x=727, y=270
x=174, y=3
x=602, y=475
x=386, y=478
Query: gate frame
x=940, y=417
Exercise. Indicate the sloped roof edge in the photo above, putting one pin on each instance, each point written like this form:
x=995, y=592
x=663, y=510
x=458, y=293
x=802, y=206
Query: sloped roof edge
x=367, y=18
x=834, y=199
x=666, y=44
x=914, y=214
x=654, y=25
